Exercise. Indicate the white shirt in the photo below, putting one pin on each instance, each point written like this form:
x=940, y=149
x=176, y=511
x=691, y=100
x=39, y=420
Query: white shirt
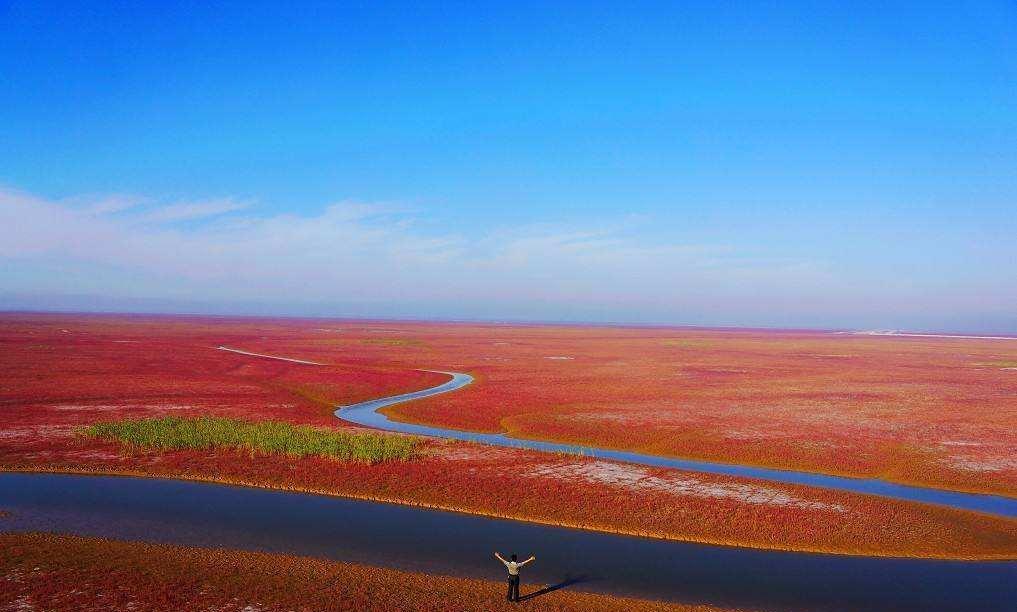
x=514, y=565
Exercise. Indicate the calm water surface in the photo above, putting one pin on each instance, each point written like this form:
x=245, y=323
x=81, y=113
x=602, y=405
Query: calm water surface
x=415, y=539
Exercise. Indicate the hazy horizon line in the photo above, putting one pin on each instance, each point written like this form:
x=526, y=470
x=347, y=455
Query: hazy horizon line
x=519, y=322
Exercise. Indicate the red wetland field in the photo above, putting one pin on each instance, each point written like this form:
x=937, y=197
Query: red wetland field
x=49, y=572
x=927, y=411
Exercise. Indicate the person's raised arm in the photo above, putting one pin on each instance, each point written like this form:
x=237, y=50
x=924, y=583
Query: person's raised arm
x=498, y=557
x=532, y=558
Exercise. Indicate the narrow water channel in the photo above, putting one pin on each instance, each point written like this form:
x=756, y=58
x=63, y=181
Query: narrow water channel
x=366, y=413
x=408, y=538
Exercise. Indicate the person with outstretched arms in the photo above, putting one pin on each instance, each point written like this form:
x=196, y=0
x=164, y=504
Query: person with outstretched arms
x=513, y=574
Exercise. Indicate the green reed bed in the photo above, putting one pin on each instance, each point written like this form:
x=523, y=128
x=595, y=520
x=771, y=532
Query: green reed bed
x=268, y=437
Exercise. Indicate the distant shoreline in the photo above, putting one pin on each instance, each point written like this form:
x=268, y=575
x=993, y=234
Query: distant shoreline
x=14, y=312
x=917, y=335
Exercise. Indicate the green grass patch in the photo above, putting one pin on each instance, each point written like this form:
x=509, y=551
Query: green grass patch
x=267, y=437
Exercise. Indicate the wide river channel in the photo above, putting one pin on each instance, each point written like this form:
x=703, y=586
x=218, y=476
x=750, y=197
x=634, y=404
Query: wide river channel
x=211, y=515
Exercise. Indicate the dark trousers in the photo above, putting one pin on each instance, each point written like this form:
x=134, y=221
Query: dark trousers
x=513, y=588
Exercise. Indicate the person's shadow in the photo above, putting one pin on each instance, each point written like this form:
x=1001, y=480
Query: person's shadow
x=568, y=581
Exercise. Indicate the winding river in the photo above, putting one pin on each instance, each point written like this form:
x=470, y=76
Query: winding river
x=414, y=539
x=367, y=414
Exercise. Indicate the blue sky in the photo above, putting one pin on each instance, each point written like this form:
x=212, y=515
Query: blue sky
x=806, y=164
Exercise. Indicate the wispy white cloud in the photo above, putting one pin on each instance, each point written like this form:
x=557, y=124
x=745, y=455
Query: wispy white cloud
x=106, y=205
x=187, y=211
x=369, y=254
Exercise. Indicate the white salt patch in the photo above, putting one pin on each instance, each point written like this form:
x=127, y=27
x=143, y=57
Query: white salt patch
x=86, y=407
x=559, y=357
x=170, y=407
x=36, y=431
x=982, y=464
x=636, y=478
x=118, y=407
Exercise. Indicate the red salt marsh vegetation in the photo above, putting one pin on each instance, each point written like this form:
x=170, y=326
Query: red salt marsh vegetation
x=937, y=412
x=62, y=373
x=48, y=572
x=582, y=493
x=926, y=411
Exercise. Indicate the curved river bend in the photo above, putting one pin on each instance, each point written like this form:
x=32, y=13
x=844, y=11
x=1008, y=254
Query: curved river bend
x=366, y=413
x=200, y=514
